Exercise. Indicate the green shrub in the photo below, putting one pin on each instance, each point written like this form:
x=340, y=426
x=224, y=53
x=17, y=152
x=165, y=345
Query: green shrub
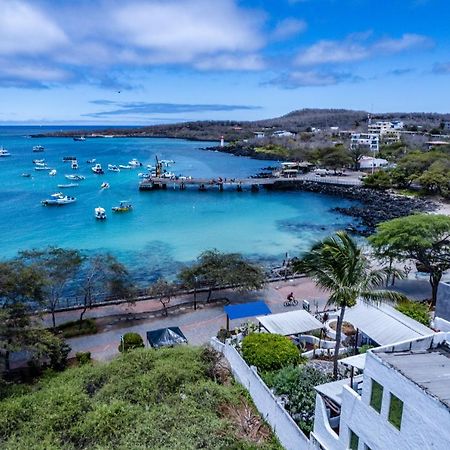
x=269, y=351
x=130, y=341
x=78, y=328
x=417, y=311
x=83, y=357
x=364, y=348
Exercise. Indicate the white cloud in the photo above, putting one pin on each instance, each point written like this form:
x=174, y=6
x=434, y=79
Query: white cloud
x=287, y=28
x=304, y=78
x=231, y=62
x=405, y=42
x=24, y=29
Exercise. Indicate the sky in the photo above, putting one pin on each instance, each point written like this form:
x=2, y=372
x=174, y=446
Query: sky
x=155, y=61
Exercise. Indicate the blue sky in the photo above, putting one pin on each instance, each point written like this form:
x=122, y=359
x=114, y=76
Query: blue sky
x=156, y=61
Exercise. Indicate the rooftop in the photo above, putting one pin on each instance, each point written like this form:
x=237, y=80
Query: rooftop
x=428, y=368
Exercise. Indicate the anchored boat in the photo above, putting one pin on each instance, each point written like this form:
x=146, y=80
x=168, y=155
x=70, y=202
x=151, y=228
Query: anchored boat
x=4, y=152
x=97, y=169
x=100, y=213
x=38, y=148
x=58, y=199
x=124, y=206
x=113, y=168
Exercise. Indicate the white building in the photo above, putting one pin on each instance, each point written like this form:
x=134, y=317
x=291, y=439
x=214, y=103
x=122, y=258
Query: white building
x=369, y=163
x=387, y=131
x=401, y=402
x=282, y=133
x=365, y=141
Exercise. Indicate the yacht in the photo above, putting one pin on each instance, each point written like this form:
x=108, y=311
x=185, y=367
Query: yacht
x=74, y=164
x=113, y=168
x=134, y=163
x=100, y=213
x=52, y=172
x=39, y=161
x=124, y=206
x=4, y=152
x=58, y=199
x=38, y=148
x=97, y=169
x=75, y=177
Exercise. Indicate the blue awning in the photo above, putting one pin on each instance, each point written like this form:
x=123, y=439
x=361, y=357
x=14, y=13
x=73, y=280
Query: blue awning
x=250, y=309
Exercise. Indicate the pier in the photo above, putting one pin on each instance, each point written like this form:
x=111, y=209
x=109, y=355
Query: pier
x=240, y=184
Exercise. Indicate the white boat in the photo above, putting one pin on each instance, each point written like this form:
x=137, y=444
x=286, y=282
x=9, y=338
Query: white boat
x=169, y=175
x=68, y=185
x=97, y=169
x=38, y=148
x=91, y=161
x=123, y=166
x=52, y=172
x=100, y=213
x=143, y=175
x=167, y=162
x=42, y=168
x=79, y=138
x=134, y=163
x=104, y=186
x=40, y=164
x=39, y=161
x=4, y=152
x=58, y=199
x=113, y=168
x=74, y=164
x=75, y=177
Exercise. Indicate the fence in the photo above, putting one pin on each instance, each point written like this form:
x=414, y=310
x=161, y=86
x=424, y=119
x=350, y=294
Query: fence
x=332, y=180
x=287, y=431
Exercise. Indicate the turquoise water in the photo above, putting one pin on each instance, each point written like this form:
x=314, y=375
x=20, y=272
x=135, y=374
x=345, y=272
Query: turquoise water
x=166, y=228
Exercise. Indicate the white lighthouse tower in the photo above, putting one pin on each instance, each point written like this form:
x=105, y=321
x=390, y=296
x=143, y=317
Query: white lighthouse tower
x=222, y=142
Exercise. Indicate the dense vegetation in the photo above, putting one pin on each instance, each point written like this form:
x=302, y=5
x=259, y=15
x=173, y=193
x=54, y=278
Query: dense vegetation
x=164, y=399
x=417, y=311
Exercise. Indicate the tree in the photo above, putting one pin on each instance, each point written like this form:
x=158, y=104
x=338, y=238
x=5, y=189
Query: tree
x=356, y=154
x=338, y=266
x=164, y=290
x=333, y=157
x=215, y=269
x=423, y=238
x=100, y=274
x=130, y=341
x=59, y=267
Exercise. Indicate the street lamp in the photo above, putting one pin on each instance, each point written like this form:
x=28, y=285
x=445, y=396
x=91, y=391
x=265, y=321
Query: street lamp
x=195, y=292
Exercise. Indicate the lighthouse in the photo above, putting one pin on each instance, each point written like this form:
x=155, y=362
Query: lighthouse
x=222, y=143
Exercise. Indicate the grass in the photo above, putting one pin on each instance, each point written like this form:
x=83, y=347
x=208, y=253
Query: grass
x=159, y=399
x=77, y=328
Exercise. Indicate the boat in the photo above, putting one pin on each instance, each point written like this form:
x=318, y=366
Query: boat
x=100, y=213
x=169, y=175
x=113, y=168
x=134, y=163
x=123, y=166
x=167, y=162
x=75, y=177
x=38, y=148
x=42, y=168
x=79, y=138
x=68, y=185
x=38, y=161
x=74, y=164
x=91, y=161
x=52, y=172
x=69, y=158
x=4, y=152
x=143, y=175
x=58, y=199
x=97, y=169
x=124, y=206
x=104, y=186
x=26, y=175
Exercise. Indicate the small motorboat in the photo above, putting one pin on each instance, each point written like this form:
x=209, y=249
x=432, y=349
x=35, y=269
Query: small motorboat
x=97, y=169
x=69, y=158
x=143, y=175
x=38, y=148
x=169, y=175
x=167, y=162
x=4, y=152
x=75, y=177
x=104, y=186
x=58, y=199
x=134, y=163
x=74, y=164
x=100, y=213
x=79, y=138
x=124, y=206
x=44, y=167
x=123, y=166
x=68, y=185
x=39, y=161
x=113, y=168
x=52, y=172
x=26, y=175
x=91, y=161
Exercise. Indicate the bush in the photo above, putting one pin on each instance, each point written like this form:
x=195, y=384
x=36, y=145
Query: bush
x=269, y=351
x=417, y=311
x=83, y=357
x=364, y=348
x=78, y=328
x=131, y=341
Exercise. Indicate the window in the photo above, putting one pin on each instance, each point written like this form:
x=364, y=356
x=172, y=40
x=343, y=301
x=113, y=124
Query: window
x=395, y=411
x=354, y=441
x=376, y=397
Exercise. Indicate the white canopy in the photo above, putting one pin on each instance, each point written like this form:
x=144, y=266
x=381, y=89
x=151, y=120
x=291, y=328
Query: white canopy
x=288, y=323
x=384, y=324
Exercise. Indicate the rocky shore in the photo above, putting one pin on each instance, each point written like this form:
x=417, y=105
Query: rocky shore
x=374, y=206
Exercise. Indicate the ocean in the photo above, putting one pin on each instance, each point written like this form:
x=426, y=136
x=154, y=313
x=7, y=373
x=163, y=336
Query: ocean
x=166, y=229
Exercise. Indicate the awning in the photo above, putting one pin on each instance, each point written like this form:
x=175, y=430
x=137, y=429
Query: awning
x=357, y=361
x=166, y=337
x=250, y=309
x=384, y=324
x=292, y=322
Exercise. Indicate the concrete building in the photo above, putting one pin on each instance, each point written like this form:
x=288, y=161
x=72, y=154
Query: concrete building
x=365, y=141
x=401, y=401
x=368, y=163
x=387, y=131
x=443, y=301
x=282, y=133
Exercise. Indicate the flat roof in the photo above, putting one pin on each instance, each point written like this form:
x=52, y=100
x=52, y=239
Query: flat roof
x=358, y=361
x=292, y=322
x=429, y=369
x=334, y=389
x=384, y=324
x=250, y=309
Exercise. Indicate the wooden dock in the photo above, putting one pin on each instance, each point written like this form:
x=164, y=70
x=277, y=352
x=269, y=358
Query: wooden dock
x=239, y=184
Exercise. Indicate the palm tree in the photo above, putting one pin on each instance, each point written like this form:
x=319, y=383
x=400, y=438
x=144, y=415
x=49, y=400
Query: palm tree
x=337, y=265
